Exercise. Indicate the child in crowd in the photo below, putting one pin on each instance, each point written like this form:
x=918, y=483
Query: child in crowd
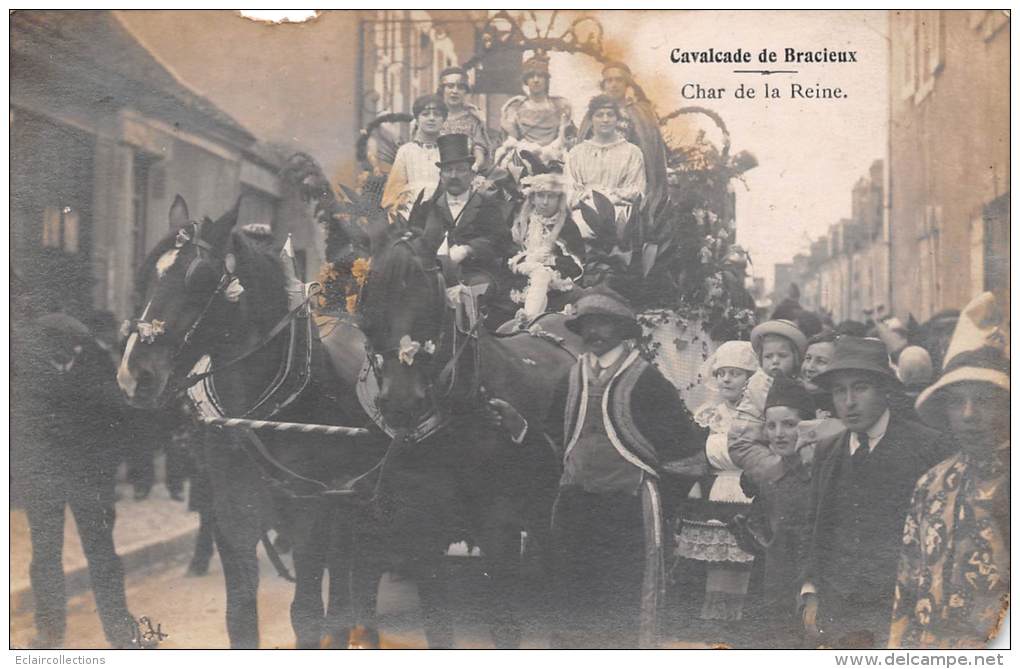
x=786, y=505
x=717, y=497
x=780, y=347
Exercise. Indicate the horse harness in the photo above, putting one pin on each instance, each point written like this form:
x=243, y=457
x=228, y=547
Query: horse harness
x=442, y=387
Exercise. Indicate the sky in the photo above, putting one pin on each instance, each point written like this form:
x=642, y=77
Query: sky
x=284, y=87
x=810, y=152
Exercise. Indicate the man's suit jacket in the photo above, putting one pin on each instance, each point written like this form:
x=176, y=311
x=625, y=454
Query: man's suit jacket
x=481, y=226
x=906, y=451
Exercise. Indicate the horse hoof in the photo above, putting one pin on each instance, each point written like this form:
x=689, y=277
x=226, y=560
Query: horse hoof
x=363, y=638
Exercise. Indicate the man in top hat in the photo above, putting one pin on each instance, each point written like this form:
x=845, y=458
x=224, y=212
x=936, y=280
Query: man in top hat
x=469, y=227
x=639, y=125
x=538, y=122
x=463, y=117
x=953, y=583
x=613, y=420
x=861, y=487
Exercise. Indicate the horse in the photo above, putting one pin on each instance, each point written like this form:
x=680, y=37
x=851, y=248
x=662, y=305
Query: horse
x=213, y=290
x=449, y=473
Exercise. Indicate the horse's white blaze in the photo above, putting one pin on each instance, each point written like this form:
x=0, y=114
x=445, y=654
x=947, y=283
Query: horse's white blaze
x=165, y=262
x=125, y=379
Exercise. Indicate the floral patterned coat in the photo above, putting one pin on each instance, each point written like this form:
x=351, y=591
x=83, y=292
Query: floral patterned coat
x=952, y=587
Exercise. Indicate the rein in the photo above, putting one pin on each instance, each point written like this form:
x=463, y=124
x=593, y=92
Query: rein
x=149, y=331
x=264, y=341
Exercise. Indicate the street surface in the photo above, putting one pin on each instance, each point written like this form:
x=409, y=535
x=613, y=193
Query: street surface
x=191, y=611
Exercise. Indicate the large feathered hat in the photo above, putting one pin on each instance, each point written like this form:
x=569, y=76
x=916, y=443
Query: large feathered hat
x=978, y=351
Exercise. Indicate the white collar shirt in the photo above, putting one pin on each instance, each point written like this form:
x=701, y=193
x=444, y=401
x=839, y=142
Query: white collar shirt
x=606, y=360
x=456, y=203
x=875, y=434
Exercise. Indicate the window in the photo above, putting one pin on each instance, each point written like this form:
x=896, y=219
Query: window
x=60, y=228
x=928, y=247
x=139, y=208
x=930, y=52
x=988, y=22
x=977, y=255
x=908, y=53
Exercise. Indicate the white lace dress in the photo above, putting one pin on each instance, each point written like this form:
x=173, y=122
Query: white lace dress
x=546, y=262
x=714, y=500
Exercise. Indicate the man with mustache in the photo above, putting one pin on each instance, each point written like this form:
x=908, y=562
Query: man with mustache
x=613, y=421
x=469, y=228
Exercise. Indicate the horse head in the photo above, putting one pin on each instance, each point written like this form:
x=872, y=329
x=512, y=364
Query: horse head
x=187, y=282
x=402, y=305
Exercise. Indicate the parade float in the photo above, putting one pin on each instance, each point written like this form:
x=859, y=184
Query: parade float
x=678, y=264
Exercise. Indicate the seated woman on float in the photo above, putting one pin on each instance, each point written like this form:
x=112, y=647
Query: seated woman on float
x=414, y=168
x=606, y=163
x=550, y=247
x=537, y=122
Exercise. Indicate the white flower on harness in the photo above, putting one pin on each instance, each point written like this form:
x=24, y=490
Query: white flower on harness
x=233, y=291
x=409, y=348
x=183, y=237
x=147, y=332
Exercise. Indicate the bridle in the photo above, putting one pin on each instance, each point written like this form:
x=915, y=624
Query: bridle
x=206, y=259
x=440, y=386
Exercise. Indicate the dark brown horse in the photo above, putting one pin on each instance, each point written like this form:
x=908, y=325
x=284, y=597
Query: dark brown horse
x=192, y=284
x=467, y=480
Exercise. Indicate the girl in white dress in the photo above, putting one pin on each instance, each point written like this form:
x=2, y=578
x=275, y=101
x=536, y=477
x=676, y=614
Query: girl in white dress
x=550, y=246
x=717, y=497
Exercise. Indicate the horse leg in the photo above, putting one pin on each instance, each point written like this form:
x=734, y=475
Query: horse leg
x=241, y=574
x=432, y=581
x=240, y=504
x=339, y=616
x=307, y=613
x=364, y=571
x=500, y=541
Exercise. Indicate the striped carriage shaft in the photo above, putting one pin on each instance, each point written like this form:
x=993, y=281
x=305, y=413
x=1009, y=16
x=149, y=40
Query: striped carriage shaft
x=307, y=428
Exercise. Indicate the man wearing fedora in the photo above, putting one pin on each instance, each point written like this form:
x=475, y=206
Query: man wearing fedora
x=614, y=419
x=861, y=486
x=469, y=227
x=953, y=583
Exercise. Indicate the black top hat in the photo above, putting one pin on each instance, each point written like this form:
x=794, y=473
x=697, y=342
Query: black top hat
x=859, y=354
x=453, y=149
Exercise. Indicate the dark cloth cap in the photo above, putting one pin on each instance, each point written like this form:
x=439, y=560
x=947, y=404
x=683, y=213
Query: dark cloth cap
x=453, y=148
x=602, y=301
x=858, y=354
x=789, y=393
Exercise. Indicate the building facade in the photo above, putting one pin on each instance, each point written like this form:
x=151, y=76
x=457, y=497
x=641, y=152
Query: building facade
x=948, y=158
x=103, y=136
x=846, y=272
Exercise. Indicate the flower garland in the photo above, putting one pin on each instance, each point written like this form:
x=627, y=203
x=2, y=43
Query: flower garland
x=342, y=282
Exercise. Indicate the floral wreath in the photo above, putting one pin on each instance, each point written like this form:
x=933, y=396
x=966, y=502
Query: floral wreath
x=342, y=282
